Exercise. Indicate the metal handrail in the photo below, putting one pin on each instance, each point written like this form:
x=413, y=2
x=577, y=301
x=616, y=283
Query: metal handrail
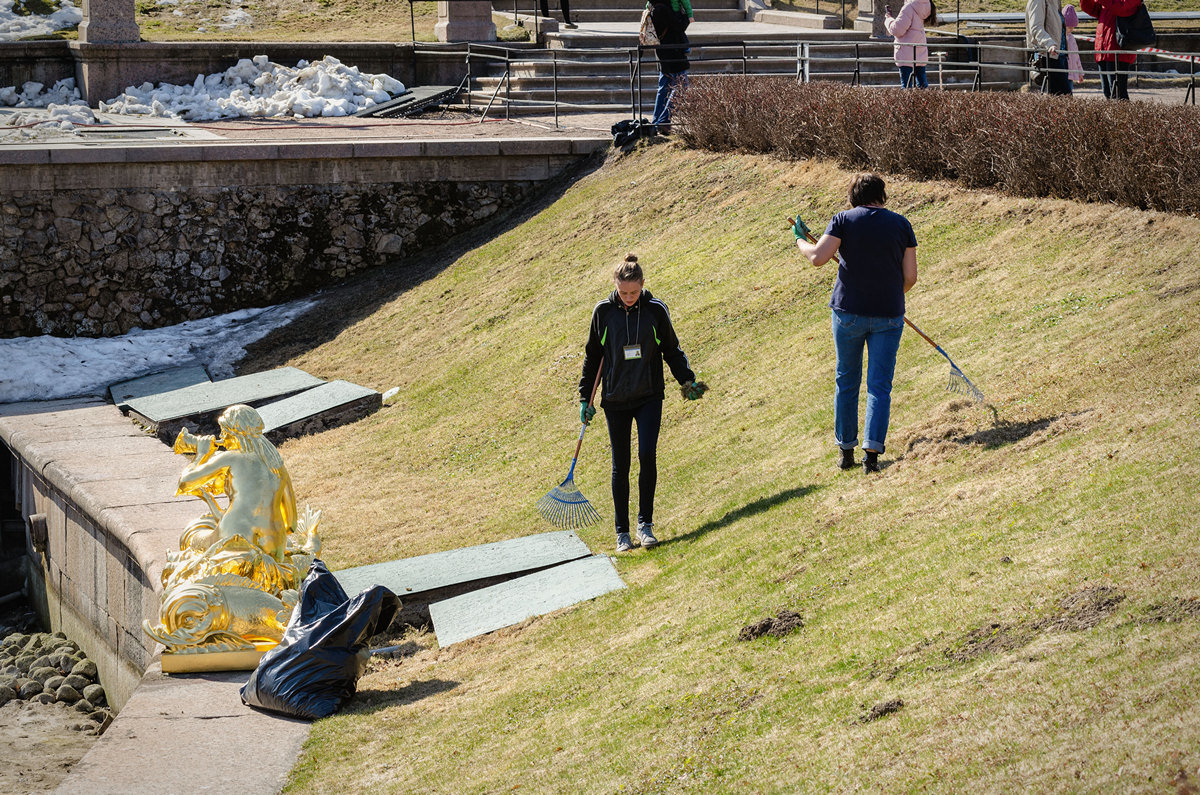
x=803, y=56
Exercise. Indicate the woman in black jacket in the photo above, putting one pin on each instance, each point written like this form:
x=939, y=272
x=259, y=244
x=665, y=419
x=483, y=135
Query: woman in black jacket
x=630, y=336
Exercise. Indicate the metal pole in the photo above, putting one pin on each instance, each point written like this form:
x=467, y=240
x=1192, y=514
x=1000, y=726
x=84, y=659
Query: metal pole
x=632, y=100
x=1191, y=92
x=554, y=66
x=957, y=16
x=507, y=84
x=468, y=77
x=743, y=59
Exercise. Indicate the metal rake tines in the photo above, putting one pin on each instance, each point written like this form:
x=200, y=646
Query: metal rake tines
x=960, y=384
x=564, y=506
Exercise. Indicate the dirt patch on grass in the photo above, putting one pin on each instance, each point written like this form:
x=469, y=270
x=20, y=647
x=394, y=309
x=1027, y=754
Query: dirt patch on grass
x=960, y=424
x=787, y=622
x=1171, y=611
x=1078, y=611
x=881, y=709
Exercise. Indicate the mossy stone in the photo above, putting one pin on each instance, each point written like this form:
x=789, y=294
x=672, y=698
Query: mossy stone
x=95, y=694
x=43, y=674
x=85, y=668
x=53, y=682
x=76, y=681
x=67, y=694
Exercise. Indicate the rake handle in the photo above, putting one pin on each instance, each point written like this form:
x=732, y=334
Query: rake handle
x=591, y=399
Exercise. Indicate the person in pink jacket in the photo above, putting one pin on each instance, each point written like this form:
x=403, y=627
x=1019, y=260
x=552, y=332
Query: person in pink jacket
x=1074, y=65
x=909, y=50
x=1113, y=78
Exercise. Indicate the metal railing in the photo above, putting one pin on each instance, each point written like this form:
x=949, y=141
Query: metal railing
x=964, y=60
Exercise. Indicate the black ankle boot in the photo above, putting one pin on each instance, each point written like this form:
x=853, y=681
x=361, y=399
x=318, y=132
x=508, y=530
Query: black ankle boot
x=847, y=459
x=870, y=461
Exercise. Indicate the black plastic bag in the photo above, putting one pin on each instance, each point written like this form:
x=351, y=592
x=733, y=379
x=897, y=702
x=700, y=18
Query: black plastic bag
x=1135, y=30
x=323, y=652
x=626, y=133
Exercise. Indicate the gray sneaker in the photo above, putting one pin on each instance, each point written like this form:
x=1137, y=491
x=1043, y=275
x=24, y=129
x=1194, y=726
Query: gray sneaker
x=623, y=543
x=645, y=535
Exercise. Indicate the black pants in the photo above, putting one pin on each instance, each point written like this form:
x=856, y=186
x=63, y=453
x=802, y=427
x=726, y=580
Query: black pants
x=1114, y=79
x=565, y=5
x=648, y=417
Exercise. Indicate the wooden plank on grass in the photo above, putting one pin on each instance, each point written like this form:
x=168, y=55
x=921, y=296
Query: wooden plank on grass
x=410, y=577
x=317, y=409
x=155, y=383
x=489, y=609
x=198, y=406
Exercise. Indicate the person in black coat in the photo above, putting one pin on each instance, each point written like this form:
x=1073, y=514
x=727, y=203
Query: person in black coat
x=670, y=26
x=630, y=336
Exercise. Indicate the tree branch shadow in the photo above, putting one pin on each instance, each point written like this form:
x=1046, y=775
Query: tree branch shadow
x=370, y=700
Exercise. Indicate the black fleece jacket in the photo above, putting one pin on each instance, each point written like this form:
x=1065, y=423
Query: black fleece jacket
x=630, y=382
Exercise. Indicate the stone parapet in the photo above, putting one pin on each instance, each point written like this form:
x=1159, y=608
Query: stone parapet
x=104, y=491
x=97, y=240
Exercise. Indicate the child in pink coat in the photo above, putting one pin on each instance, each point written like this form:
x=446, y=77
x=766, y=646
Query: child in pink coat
x=1074, y=65
x=909, y=50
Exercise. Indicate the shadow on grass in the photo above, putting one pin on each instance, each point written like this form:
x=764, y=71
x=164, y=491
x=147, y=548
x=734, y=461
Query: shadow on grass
x=749, y=509
x=366, y=701
x=1005, y=432
x=339, y=307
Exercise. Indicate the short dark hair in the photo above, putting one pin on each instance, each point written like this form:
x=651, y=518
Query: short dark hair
x=867, y=189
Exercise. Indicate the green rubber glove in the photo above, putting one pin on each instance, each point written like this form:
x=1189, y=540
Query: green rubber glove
x=586, y=412
x=800, y=229
x=692, y=390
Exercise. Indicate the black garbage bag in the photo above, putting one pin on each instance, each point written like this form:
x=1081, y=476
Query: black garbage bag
x=626, y=133
x=323, y=652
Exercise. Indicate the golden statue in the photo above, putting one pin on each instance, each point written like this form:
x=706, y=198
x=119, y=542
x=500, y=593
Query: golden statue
x=230, y=589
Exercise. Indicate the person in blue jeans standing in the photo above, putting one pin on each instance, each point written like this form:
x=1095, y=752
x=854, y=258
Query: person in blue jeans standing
x=877, y=264
x=670, y=24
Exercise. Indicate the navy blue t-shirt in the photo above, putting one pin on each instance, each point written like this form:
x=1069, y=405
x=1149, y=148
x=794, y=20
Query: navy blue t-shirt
x=870, y=278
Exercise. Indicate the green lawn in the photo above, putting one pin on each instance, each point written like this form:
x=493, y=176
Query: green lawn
x=1023, y=583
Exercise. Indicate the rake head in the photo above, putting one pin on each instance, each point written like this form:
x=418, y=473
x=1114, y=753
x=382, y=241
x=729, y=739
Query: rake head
x=960, y=384
x=564, y=506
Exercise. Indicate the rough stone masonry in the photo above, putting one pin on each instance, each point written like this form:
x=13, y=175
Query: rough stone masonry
x=99, y=262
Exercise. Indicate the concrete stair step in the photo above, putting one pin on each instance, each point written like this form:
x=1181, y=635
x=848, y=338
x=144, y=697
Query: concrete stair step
x=586, y=15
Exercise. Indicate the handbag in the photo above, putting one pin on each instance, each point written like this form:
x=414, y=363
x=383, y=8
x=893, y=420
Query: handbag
x=1135, y=30
x=646, y=33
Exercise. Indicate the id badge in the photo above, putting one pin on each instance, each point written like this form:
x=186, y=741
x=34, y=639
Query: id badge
x=633, y=352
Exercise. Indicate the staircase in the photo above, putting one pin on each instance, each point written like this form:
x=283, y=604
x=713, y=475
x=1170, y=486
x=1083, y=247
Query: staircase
x=593, y=68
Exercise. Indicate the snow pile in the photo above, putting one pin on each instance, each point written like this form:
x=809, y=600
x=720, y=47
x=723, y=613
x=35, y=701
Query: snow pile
x=235, y=16
x=258, y=87
x=31, y=94
x=14, y=26
x=44, y=368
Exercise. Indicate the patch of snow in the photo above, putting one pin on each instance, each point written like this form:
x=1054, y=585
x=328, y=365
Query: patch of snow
x=15, y=26
x=45, y=368
x=235, y=16
x=32, y=95
x=258, y=87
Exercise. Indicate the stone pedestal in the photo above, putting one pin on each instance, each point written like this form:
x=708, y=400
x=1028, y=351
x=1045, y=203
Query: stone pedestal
x=108, y=22
x=464, y=20
x=870, y=21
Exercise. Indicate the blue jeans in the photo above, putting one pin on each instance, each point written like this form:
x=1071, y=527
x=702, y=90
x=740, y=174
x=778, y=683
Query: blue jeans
x=667, y=86
x=881, y=336
x=907, y=75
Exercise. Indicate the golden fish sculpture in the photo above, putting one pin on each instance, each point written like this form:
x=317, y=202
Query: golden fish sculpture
x=230, y=588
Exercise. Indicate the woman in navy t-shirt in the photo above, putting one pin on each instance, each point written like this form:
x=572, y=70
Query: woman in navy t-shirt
x=877, y=265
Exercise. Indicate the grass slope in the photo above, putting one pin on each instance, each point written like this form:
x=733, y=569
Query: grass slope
x=1022, y=584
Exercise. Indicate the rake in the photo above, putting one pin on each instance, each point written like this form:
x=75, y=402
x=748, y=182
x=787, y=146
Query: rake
x=959, y=383
x=564, y=506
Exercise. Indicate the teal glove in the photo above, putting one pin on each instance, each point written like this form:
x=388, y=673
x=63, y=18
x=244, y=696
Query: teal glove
x=692, y=390
x=586, y=412
x=800, y=229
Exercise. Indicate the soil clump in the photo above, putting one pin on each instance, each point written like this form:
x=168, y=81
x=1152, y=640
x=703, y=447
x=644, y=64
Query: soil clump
x=787, y=622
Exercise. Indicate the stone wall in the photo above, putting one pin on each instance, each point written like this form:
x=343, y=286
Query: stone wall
x=97, y=240
x=99, y=262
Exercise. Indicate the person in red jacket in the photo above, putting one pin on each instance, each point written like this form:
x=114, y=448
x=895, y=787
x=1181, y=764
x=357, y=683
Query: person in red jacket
x=1113, y=78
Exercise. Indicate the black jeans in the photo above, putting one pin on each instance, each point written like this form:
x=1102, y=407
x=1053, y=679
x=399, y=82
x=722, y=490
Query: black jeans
x=1114, y=79
x=565, y=5
x=648, y=417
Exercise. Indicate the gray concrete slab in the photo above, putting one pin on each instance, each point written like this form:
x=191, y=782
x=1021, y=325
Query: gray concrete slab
x=412, y=576
x=326, y=406
x=486, y=610
x=196, y=406
x=186, y=734
x=166, y=381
